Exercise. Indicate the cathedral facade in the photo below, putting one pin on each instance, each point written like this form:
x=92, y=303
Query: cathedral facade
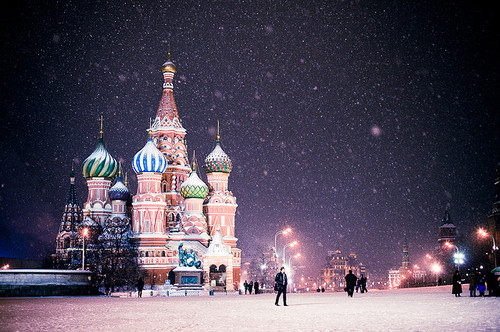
x=172, y=205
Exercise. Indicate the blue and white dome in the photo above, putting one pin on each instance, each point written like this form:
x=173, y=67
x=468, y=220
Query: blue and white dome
x=119, y=191
x=149, y=159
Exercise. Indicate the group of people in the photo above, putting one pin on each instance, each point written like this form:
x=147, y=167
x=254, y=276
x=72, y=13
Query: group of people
x=249, y=286
x=352, y=282
x=478, y=282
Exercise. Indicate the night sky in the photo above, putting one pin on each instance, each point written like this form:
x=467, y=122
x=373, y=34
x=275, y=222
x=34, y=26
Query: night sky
x=351, y=121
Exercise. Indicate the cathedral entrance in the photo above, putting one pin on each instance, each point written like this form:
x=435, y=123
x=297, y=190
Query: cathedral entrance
x=218, y=277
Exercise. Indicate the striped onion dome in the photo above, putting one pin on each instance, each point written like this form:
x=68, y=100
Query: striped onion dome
x=194, y=187
x=217, y=161
x=149, y=159
x=100, y=163
x=119, y=191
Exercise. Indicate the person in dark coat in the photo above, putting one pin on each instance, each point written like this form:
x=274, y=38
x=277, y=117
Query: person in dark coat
x=256, y=287
x=350, y=280
x=490, y=283
x=281, y=283
x=250, y=287
x=362, y=283
x=245, y=284
x=140, y=286
x=457, y=284
x=472, y=285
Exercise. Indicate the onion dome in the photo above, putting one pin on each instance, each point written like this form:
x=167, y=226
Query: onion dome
x=119, y=192
x=100, y=163
x=217, y=160
x=194, y=187
x=149, y=159
x=169, y=67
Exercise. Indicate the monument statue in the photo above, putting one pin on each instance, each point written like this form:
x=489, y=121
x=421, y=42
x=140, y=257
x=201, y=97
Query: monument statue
x=188, y=259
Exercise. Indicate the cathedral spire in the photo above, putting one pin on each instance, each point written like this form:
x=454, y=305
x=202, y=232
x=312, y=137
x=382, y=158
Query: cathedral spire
x=217, y=139
x=101, y=132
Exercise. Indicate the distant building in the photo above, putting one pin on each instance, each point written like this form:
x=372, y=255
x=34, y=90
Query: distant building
x=494, y=217
x=336, y=268
x=405, y=276
x=447, y=230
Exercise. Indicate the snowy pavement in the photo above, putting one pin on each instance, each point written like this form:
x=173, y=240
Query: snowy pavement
x=423, y=309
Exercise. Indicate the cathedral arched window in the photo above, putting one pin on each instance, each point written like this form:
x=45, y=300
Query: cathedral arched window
x=222, y=268
x=213, y=268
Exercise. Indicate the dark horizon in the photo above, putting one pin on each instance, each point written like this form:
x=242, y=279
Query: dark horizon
x=353, y=123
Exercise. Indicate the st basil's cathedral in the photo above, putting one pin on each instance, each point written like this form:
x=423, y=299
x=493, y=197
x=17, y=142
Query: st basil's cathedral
x=172, y=206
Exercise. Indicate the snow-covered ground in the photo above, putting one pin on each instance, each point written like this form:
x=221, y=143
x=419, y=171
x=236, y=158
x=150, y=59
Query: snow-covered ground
x=424, y=309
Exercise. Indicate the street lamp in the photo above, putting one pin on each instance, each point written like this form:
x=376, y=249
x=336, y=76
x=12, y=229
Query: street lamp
x=458, y=257
x=284, y=232
x=483, y=233
x=290, y=261
x=85, y=232
x=291, y=245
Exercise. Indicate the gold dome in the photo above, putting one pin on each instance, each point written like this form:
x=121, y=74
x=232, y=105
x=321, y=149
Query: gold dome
x=169, y=67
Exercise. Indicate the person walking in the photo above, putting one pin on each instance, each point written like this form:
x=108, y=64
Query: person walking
x=245, y=284
x=362, y=282
x=256, y=287
x=350, y=280
x=481, y=284
x=281, y=283
x=250, y=287
x=140, y=286
x=457, y=284
x=472, y=285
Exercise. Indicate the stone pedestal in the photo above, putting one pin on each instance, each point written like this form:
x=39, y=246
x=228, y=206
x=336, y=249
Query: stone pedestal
x=188, y=278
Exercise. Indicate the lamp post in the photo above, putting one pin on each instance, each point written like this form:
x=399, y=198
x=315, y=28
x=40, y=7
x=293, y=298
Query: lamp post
x=483, y=233
x=291, y=245
x=458, y=257
x=85, y=231
x=284, y=232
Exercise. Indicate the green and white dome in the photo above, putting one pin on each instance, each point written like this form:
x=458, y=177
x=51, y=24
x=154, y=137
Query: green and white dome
x=100, y=163
x=194, y=187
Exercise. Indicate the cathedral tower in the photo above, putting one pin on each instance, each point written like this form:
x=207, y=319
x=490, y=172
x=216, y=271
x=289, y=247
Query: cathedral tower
x=99, y=169
x=149, y=202
x=220, y=205
x=194, y=191
x=70, y=225
x=168, y=135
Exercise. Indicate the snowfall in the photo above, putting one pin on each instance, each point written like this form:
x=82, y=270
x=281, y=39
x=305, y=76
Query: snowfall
x=417, y=309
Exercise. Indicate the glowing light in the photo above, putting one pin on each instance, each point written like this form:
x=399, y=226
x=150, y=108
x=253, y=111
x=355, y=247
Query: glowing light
x=448, y=245
x=459, y=258
x=428, y=256
x=85, y=232
x=6, y=267
x=482, y=232
x=436, y=268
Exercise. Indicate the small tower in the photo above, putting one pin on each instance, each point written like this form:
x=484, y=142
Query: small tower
x=405, y=263
x=194, y=191
x=447, y=230
x=99, y=169
x=70, y=222
x=220, y=205
x=149, y=202
x=119, y=195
